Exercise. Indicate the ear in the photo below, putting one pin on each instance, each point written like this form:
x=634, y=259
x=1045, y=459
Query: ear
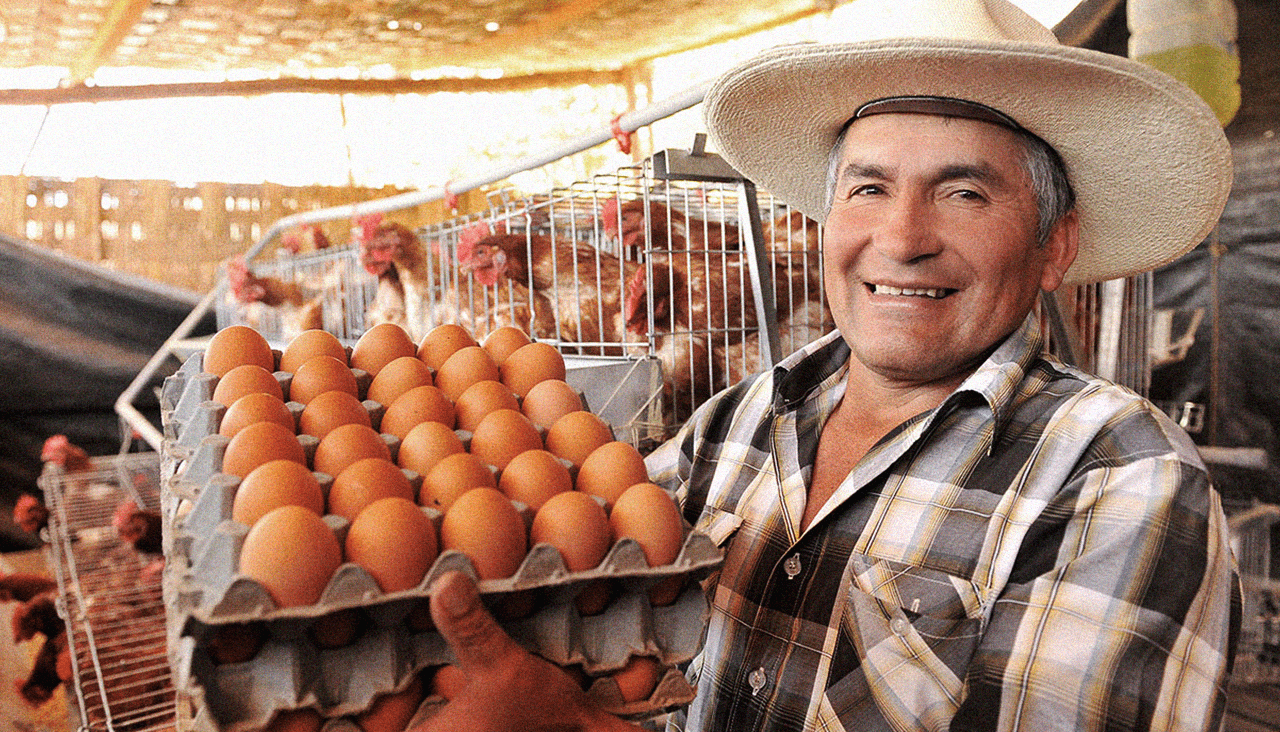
x=1059, y=251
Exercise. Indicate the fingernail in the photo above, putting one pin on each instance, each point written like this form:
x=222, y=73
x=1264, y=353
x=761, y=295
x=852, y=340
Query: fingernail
x=458, y=596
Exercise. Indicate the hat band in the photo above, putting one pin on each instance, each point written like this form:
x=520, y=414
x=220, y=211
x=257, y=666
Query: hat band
x=943, y=106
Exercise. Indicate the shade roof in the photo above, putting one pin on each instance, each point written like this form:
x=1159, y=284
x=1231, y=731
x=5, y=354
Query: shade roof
x=402, y=38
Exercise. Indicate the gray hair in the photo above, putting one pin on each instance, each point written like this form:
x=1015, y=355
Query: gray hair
x=1045, y=169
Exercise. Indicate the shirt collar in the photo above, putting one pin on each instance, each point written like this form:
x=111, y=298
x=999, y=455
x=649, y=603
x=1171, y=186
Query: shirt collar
x=822, y=365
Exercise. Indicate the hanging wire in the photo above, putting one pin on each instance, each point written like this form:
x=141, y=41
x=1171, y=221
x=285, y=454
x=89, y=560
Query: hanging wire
x=39, y=131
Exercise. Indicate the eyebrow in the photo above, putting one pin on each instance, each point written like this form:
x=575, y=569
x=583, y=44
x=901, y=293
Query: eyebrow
x=980, y=172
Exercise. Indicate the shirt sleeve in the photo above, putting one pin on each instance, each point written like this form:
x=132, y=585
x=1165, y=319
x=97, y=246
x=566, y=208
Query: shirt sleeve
x=1122, y=608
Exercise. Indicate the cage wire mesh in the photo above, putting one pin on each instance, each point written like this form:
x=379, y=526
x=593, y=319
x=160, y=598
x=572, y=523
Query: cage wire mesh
x=280, y=297
x=110, y=595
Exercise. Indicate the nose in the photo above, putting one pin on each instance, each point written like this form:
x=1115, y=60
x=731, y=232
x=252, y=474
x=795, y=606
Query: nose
x=906, y=231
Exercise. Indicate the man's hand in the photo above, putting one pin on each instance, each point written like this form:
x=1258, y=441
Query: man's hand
x=504, y=686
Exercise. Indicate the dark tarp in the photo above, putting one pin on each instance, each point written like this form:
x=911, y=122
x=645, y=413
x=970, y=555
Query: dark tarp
x=73, y=336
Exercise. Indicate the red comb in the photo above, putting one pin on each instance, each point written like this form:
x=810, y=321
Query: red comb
x=469, y=236
x=368, y=223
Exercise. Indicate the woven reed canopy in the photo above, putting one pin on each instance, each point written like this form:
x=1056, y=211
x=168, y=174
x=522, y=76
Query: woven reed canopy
x=410, y=38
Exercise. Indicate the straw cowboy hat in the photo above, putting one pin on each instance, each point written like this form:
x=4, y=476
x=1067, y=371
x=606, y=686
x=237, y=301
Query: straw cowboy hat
x=1146, y=157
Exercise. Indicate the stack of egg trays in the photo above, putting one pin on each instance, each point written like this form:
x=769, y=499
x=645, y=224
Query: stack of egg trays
x=203, y=591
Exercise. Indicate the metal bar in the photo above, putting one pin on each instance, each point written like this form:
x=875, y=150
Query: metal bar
x=762, y=279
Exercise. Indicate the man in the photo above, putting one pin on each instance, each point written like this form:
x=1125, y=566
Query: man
x=929, y=523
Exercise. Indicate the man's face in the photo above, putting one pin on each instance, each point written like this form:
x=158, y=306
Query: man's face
x=930, y=245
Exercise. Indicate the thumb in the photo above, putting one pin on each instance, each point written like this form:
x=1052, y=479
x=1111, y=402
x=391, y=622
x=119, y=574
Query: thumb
x=475, y=637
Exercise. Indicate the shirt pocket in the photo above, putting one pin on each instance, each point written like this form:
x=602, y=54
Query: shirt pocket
x=914, y=631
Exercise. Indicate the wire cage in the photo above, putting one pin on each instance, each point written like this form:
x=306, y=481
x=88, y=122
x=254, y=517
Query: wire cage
x=323, y=289
x=110, y=595
x=1253, y=531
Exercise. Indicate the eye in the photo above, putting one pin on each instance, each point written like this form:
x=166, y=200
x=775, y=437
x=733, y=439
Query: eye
x=866, y=189
x=968, y=194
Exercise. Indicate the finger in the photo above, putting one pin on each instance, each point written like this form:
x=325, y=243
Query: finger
x=475, y=637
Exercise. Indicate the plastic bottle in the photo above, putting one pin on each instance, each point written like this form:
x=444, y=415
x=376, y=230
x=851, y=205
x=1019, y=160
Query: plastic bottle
x=1193, y=41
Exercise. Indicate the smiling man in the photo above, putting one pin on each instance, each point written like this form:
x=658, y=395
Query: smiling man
x=928, y=521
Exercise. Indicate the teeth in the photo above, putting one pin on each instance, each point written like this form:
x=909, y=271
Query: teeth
x=934, y=293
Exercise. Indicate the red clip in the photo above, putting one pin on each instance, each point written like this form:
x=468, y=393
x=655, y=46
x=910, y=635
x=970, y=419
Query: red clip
x=450, y=198
x=623, y=138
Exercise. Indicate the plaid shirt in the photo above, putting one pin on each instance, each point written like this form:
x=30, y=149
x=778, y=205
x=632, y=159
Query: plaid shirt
x=1041, y=551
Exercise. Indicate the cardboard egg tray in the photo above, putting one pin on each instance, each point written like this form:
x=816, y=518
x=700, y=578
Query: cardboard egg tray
x=205, y=593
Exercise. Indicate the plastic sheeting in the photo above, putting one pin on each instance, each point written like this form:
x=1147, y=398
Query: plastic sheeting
x=72, y=338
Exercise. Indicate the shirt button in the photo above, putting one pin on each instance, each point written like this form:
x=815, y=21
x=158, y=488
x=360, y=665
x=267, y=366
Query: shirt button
x=757, y=679
x=792, y=566
x=898, y=625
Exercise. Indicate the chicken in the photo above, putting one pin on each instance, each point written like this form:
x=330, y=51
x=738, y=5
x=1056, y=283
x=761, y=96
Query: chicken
x=305, y=238
x=30, y=514
x=668, y=229
x=46, y=671
x=141, y=529
x=705, y=323
x=582, y=284
x=24, y=587
x=792, y=231
x=301, y=308
x=394, y=254
x=37, y=615
x=60, y=451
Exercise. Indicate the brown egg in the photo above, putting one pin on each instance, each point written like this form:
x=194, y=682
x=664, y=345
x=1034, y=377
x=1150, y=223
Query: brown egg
x=531, y=364
x=481, y=398
x=310, y=343
x=345, y=445
x=451, y=476
x=259, y=443
x=576, y=525
x=365, y=481
x=412, y=408
x=548, y=401
x=274, y=484
x=329, y=410
x=576, y=435
x=649, y=515
x=379, y=346
x=464, y=368
x=442, y=342
x=237, y=345
x=393, y=712
x=395, y=541
x=484, y=525
x=318, y=375
x=611, y=469
x=502, y=435
x=235, y=642
x=637, y=680
x=295, y=720
x=246, y=379
x=292, y=553
x=425, y=445
x=397, y=377
x=338, y=629
x=504, y=341
x=252, y=408
x=534, y=476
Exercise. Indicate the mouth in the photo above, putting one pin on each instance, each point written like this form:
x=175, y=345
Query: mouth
x=931, y=293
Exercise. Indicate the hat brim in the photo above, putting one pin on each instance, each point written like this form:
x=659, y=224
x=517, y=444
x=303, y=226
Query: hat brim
x=1148, y=160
